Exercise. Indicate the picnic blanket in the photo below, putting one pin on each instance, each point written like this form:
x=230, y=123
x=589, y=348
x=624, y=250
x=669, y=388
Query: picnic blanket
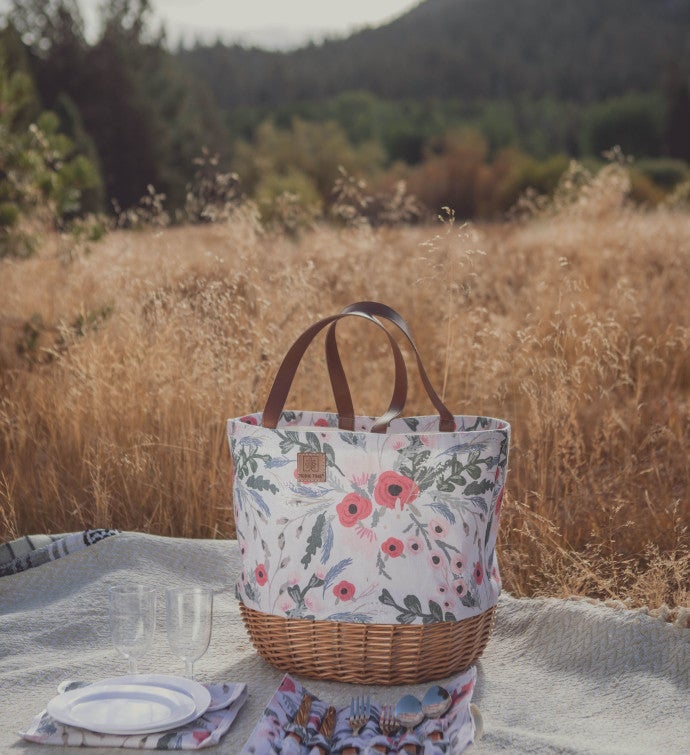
x=560, y=676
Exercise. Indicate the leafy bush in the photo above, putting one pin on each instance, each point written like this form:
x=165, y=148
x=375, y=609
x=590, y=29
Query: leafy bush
x=664, y=172
x=634, y=122
x=41, y=178
x=314, y=150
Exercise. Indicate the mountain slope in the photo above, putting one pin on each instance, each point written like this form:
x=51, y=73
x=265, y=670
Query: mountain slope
x=581, y=50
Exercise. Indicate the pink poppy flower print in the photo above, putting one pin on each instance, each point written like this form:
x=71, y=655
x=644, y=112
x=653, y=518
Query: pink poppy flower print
x=393, y=547
x=459, y=562
x=392, y=487
x=353, y=508
x=438, y=528
x=460, y=587
x=478, y=573
x=436, y=559
x=261, y=575
x=344, y=590
x=322, y=422
x=414, y=545
x=249, y=420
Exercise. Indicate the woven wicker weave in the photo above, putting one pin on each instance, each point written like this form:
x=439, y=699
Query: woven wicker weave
x=368, y=653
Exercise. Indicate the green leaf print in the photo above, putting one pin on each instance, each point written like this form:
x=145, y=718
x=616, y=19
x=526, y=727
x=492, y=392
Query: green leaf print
x=412, y=602
x=313, y=443
x=296, y=594
x=387, y=599
x=412, y=609
x=288, y=440
x=257, y=482
x=246, y=463
x=315, y=540
x=436, y=611
x=477, y=488
x=474, y=471
x=330, y=454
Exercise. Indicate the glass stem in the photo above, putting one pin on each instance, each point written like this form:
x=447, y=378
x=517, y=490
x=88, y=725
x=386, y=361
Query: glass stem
x=132, y=663
x=189, y=668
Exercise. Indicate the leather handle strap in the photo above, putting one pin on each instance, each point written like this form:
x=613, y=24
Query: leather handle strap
x=335, y=368
x=286, y=374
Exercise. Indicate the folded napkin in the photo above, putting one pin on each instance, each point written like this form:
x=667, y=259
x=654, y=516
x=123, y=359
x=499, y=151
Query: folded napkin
x=35, y=550
x=457, y=726
x=205, y=731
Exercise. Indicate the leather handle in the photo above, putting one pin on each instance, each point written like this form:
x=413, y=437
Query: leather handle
x=335, y=368
x=286, y=374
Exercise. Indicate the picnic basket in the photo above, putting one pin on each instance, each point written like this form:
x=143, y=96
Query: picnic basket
x=368, y=544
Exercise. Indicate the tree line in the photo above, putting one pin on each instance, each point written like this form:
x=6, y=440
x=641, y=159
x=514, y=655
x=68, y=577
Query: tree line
x=470, y=103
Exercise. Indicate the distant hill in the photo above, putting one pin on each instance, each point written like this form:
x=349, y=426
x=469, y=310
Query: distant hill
x=576, y=50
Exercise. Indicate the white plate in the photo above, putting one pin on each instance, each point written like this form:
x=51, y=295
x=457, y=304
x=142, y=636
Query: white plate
x=131, y=705
x=199, y=693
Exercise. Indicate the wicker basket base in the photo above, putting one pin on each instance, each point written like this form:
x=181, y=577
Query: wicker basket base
x=368, y=653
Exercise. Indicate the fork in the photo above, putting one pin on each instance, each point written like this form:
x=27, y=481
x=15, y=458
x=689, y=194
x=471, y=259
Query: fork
x=360, y=710
x=388, y=723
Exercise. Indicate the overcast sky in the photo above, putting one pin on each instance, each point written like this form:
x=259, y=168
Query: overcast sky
x=255, y=20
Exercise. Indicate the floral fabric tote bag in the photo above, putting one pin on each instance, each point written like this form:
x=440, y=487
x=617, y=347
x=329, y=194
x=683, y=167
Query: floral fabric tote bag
x=366, y=524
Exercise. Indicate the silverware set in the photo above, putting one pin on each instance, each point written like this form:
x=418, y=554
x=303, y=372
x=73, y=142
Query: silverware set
x=388, y=723
x=407, y=713
x=360, y=712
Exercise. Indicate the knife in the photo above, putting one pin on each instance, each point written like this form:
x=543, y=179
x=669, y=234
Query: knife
x=301, y=718
x=326, y=731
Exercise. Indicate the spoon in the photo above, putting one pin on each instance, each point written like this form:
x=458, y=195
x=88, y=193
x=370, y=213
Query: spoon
x=436, y=701
x=409, y=712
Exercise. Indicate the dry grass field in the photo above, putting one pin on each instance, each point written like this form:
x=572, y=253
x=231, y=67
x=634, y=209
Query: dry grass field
x=119, y=367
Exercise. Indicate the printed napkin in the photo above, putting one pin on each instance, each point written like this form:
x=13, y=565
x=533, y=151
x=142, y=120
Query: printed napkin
x=457, y=726
x=205, y=731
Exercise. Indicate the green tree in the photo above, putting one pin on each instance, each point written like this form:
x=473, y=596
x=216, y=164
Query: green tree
x=41, y=177
x=677, y=134
x=305, y=155
x=127, y=99
x=634, y=122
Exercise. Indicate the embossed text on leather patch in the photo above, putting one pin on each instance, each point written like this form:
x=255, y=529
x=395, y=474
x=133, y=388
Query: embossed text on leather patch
x=311, y=467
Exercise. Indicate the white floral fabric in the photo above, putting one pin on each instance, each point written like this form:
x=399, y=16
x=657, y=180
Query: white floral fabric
x=452, y=733
x=207, y=730
x=400, y=529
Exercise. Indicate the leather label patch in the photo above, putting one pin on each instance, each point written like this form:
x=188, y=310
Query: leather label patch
x=311, y=467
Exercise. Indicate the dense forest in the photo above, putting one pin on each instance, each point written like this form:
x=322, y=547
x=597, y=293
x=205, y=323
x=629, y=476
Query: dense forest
x=470, y=102
x=573, y=50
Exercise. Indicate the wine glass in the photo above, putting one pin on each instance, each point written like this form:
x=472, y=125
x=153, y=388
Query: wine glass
x=132, y=621
x=189, y=614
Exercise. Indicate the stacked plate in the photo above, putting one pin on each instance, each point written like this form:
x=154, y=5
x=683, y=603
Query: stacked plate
x=128, y=705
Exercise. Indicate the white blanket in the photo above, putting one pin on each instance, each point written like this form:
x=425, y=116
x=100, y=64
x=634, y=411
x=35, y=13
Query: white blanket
x=557, y=676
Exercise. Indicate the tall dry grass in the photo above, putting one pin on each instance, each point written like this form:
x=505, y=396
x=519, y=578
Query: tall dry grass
x=119, y=368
